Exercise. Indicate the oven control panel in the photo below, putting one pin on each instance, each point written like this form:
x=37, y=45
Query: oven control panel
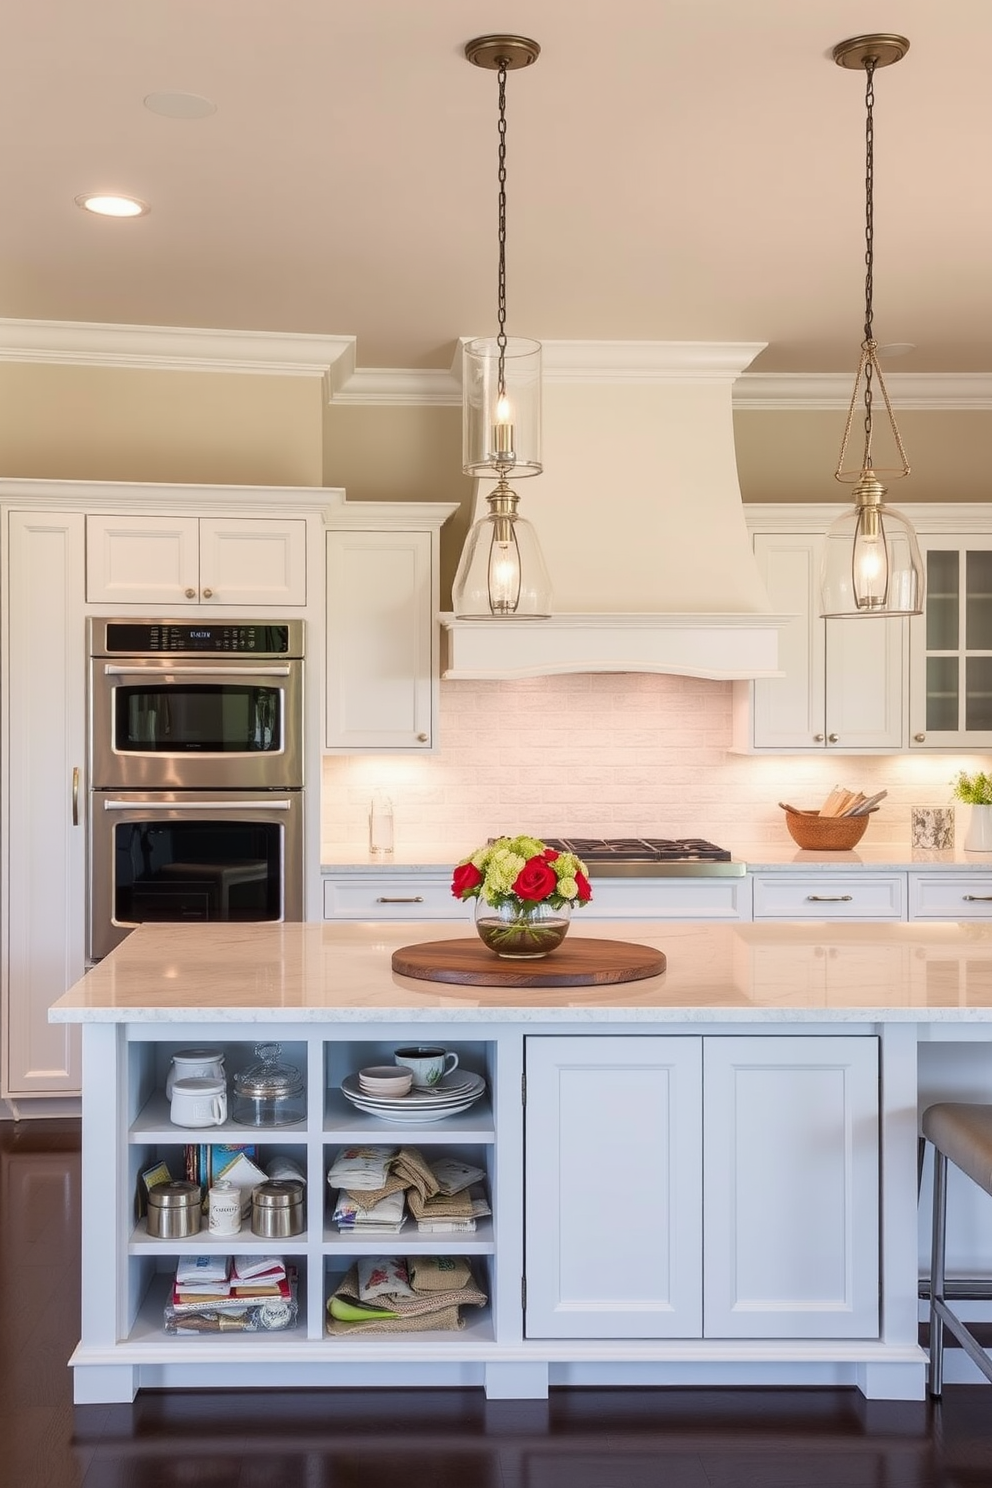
x=230, y=638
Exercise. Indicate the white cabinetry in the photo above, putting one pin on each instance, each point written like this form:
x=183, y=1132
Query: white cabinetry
x=950, y=896
x=843, y=685
x=626, y=1238
x=382, y=630
x=172, y=560
x=44, y=755
x=951, y=646
x=860, y=895
x=614, y=1187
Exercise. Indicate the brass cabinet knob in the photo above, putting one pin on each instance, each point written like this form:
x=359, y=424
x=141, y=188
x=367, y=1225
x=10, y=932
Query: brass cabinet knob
x=831, y=738
x=918, y=738
x=190, y=593
x=422, y=738
x=817, y=738
x=208, y=594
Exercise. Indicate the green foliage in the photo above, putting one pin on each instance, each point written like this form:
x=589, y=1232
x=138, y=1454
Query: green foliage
x=975, y=790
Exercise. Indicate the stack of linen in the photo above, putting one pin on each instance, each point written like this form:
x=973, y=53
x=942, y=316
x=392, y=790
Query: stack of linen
x=222, y=1294
x=390, y=1294
x=376, y=1186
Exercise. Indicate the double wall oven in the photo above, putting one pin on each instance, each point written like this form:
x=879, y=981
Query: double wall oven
x=196, y=773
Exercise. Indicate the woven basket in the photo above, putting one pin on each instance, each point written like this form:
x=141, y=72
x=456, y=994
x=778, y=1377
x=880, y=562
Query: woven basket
x=825, y=833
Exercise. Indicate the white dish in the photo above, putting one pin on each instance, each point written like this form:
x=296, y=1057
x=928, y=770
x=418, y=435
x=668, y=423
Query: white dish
x=452, y=1087
x=411, y=1118
x=398, y=1108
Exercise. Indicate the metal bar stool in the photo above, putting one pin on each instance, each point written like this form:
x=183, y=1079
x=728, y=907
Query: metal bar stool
x=962, y=1134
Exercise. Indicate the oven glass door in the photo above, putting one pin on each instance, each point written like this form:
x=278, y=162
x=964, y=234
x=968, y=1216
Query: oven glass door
x=185, y=861
x=196, y=726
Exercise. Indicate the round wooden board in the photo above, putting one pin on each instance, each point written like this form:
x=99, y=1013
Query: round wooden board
x=576, y=963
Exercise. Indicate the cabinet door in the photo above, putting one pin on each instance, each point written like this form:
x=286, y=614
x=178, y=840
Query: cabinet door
x=613, y=1183
x=788, y=711
x=951, y=648
x=380, y=628
x=142, y=560
x=43, y=800
x=254, y=560
x=791, y=1187
x=865, y=688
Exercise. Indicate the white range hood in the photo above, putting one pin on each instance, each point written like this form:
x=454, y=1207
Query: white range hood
x=640, y=518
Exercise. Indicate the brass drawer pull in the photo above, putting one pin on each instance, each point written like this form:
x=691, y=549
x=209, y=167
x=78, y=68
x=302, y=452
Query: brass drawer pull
x=410, y=899
x=829, y=898
x=977, y=898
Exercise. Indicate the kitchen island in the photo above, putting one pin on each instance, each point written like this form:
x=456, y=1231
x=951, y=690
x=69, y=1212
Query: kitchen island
x=705, y=1177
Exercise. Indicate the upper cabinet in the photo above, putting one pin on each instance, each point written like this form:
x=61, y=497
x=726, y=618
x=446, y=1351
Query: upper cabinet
x=950, y=695
x=171, y=560
x=382, y=627
x=843, y=684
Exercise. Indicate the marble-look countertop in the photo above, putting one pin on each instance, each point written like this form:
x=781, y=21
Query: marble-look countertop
x=758, y=858
x=341, y=972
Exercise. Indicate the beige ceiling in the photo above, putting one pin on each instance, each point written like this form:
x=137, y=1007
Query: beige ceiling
x=677, y=170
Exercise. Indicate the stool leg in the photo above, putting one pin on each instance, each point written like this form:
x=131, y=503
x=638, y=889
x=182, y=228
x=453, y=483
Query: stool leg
x=937, y=1253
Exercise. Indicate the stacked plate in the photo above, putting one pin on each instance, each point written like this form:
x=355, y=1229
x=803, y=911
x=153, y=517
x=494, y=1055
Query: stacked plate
x=456, y=1092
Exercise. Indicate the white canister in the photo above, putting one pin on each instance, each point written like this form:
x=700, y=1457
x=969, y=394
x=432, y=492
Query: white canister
x=198, y=1101
x=187, y=1063
x=224, y=1208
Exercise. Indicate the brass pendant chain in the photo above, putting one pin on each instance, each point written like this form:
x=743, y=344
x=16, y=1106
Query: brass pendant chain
x=501, y=288
x=869, y=341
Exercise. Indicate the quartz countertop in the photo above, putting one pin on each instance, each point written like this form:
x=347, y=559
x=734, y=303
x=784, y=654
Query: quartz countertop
x=341, y=973
x=758, y=857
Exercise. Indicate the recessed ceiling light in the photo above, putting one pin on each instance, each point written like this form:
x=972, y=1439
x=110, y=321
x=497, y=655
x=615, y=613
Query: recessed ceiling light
x=180, y=105
x=105, y=205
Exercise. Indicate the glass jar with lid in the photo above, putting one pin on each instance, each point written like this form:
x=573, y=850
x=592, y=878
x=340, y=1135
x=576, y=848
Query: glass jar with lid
x=269, y=1093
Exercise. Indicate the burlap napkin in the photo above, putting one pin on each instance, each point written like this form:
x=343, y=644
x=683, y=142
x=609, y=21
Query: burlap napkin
x=432, y=1310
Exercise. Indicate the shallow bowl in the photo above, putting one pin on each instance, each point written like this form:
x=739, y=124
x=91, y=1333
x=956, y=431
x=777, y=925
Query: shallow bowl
x=825, y=833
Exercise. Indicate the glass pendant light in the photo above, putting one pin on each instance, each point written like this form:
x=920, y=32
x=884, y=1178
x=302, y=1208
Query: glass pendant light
x=502, y=572
x=871, y=563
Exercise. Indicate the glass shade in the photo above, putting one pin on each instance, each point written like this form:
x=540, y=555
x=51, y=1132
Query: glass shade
x=501, y=423
x=871, y=565
x=501, y=572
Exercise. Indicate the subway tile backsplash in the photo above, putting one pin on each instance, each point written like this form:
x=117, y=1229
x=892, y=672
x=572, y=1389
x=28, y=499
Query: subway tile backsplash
x=606, y=755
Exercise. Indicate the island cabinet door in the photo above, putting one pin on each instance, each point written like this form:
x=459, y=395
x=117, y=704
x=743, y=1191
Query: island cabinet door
x=613, y=1187
x=791, y=1187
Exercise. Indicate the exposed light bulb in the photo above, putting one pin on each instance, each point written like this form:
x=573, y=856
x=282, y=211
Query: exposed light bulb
x=503, y=431
x=870, y=567
x=504, y=575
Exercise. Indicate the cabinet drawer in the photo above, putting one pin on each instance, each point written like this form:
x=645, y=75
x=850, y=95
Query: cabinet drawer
x=830, y=897
x=400, y=898
x=950, y=896
x=668, y=899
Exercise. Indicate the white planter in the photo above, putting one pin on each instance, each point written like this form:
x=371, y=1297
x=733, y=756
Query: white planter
x=979, y=835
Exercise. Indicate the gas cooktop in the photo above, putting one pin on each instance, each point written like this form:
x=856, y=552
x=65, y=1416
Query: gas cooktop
x=650, y=856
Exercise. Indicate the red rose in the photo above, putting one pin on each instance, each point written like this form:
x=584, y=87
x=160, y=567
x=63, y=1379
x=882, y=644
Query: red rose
x=536, y=880
x=585, y=888
x=465, y=878
x=549, y=854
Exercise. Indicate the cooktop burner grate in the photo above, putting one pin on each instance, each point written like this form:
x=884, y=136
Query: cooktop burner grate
x=641, y=849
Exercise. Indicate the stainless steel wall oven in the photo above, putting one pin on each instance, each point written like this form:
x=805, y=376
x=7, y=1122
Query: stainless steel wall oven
x=196, y=774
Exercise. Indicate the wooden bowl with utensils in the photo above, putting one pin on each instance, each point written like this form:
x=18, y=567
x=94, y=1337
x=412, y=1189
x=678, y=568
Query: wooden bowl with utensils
x=810, y=830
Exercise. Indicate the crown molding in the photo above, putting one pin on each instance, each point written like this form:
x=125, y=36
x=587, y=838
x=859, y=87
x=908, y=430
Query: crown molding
x=931, y=391
x=179, y=349
x=332, y=359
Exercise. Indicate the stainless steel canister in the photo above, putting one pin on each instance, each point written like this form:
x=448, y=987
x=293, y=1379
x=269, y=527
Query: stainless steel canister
x=277, y=1208
x=174, y=1209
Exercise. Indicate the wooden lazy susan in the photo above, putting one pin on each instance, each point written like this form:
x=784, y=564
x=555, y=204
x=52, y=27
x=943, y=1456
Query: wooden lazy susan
x=576, y=963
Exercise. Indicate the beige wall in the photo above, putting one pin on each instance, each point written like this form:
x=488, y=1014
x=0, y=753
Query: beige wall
x=402, y=454
x=96, y=423
x=791, y=455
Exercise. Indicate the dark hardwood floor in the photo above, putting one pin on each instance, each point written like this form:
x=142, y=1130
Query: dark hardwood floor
x=427, y=1439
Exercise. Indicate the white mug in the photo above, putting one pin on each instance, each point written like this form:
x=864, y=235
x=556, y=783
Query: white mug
x=428, y=1063
x=189, y=1062
x=198, y=1100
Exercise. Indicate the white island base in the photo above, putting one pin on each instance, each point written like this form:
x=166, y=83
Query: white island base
x=705, y=1178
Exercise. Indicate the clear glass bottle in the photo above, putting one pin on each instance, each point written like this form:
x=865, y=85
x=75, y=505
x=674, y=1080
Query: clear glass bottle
x=380, y=825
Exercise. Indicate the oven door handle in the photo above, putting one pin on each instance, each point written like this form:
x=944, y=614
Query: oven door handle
x=266, y=805
x=112, y=670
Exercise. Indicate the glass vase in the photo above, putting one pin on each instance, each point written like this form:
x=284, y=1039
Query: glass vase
x=521, y=931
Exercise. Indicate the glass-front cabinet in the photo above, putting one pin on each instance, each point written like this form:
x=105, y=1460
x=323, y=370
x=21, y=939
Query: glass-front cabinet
x=951, y=647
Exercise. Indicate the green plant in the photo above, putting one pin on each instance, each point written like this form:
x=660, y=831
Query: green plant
x=974, y=790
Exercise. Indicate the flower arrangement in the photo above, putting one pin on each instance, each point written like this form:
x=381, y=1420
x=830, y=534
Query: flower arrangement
x=974, y=790
x=521, y=870
x=524, y=893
